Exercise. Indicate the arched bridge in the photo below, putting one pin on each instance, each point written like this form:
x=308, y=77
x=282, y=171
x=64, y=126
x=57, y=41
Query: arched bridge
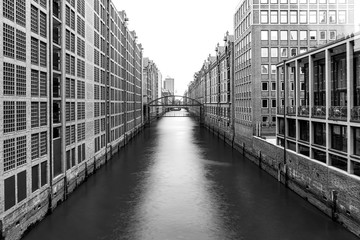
x=162, y=105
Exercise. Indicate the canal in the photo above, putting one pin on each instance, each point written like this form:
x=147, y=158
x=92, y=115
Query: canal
x=176, y=180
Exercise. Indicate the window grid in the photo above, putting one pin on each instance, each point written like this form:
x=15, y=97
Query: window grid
x=9, y=41
x=9, y=154
x=34, y=114
x=43, y=143
x=9, y=116
x=43, y=114
x=21, y=12
x=35, y=146
x=34, y=51
x=8, y=9
x=20, y=116
x=20, y=81
x=43, y=18
x=20, y=151
x=43, y=54
x=8, y=79
x=20, y=45
x=34, y=19
x=43, y=84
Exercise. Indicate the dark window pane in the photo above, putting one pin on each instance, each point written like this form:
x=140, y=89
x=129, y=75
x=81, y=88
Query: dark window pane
x=35, y=178
x=21, y=184
x=9, y=192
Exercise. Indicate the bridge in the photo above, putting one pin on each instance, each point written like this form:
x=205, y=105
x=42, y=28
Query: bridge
x=162, y=106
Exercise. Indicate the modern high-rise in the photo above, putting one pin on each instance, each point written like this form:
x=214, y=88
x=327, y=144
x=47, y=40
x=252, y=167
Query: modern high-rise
x=270, y=31
x=71, y=91
x=169, y=84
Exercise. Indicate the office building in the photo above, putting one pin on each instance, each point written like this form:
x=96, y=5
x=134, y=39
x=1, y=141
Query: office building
x=169, y=84
x=270, y=31
x=319, y=110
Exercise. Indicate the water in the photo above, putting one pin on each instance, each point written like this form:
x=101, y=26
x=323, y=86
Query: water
x=178, y=181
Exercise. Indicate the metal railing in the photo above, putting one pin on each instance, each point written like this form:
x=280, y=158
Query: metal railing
x=338, y=112
x=319, y=111
x=303, y=111
x=355, y=113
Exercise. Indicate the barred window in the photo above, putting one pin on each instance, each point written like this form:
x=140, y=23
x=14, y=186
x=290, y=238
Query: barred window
x=34, y=82
x=103, y=93
x=67, y=16
x=96, y=92
x=35, y=146
x=80, y=90
x=67, y=64
x=96, y=57
x=9, y=154
x=35, y=114
x=81, y=68
x=20, y=116
x=43, y=3
x=67, y=135
x=20, y=151
x=72, y=20
x=67, y=40
x=96, y=109
x=70, y=111
x=97, y=126
x=43, y=143
x=43, y=54
x=43, y=84
x=72, y=65
x=73, y=134
x=21, y=12
x=9, y=80
x=70, y=88
x=71, y=2
x=34, y=20
x=103, y=124
x=81, y=7
x=20, y=45
x=9, y=41
x=9, y=116
x=72, y=42
x=43, y=114
x=96, y=6
x=81, y=47
x=34, y=51
x=80, y=110
x=81, y=132
x=96, y=40
x=80, y=26
x=96, y=74
x=8, y=9
x=43, y=31
x=20, y=81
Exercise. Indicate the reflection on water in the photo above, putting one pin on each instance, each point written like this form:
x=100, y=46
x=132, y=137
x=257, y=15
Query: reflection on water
x=177, y=181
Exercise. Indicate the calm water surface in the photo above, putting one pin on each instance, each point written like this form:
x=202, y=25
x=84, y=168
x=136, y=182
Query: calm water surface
x=178, y=181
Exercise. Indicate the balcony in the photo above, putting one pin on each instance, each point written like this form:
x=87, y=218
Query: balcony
x=57, y=9
x=303, y=111
x=319, y=111
x=56, y=87
x=338, y=112
x=57, y=60
x=291, y=110
x=57, y=34
x=56, y=112
x=355, y=114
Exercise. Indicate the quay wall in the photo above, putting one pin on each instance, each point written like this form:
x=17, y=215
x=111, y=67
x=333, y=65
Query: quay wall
x=334, y=192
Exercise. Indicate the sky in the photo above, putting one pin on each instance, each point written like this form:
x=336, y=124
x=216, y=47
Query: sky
x=178, y=35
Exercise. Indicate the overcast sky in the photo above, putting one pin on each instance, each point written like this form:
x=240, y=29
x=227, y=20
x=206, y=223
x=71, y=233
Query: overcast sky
x=178, y=35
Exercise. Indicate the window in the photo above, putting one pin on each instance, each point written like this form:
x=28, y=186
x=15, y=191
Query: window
x=342, y=17
x=322, y=16
x=322, y=1
x=284, y=35
x=293, y=52
x=293, y=1
x=303, y=35
x=274, y=35
x=303, y=17
x=43, y=24
x=274, y=1
x=264, y=86
x=332, y=16
x=304, y=130
x=34, y=19
x=338, y=137
x=273, y=86
x=312, y=35
x=322, y=35
x=283, y=52
x=313, y=1
x=35, y=178
x=264, y=1
x=14, y=153
x=264, y=103
x=264, y=18
x=284, y=1
x=273, y=69
x=274, y=52
x=274, y=16
x=20, y=45
x=264, y=35
x=302, y=1
x=293, y=16
x=264, y=52
x=303, y=50
x=9, y=41
x=293, y=35
x=273, y=103
x=264, y=69
x=332, y=35
x=283, y=16
x=312, y=16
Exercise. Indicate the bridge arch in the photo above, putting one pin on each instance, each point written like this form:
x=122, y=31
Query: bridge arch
x=194, y=101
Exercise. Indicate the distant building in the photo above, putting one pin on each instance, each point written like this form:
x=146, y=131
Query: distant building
x=169, y=84
x=270, y=31
x=150, y=85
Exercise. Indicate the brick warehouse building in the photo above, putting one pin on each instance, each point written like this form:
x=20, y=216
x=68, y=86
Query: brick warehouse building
x=213, y=85
x=267, y=32
x=68, y=98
